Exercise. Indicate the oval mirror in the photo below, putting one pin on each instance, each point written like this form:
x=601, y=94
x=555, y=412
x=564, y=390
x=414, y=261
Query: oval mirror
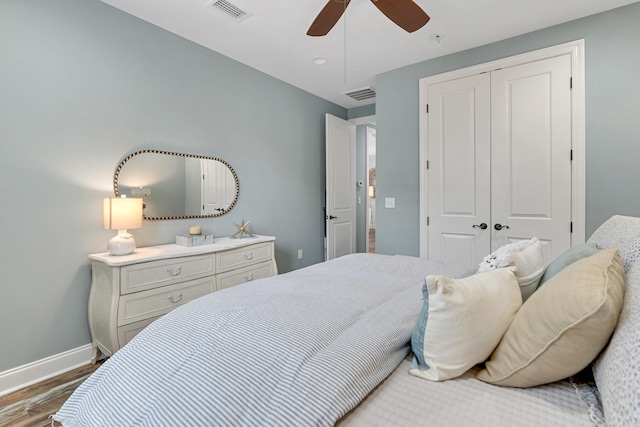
x=177, y=186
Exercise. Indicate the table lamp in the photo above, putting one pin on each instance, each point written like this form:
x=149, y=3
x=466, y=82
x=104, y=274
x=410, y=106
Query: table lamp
x=120, y=213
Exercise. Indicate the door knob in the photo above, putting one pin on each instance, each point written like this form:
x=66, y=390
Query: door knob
x=332, y=217
x=500, y=227
x=482, y=226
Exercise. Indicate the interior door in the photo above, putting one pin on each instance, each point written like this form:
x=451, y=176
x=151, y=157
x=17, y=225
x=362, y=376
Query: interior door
x=340, y=187
x=531, y=154
x=459, y=170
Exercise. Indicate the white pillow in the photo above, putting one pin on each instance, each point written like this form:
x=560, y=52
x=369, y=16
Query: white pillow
x=462, y=322
x=526, y=256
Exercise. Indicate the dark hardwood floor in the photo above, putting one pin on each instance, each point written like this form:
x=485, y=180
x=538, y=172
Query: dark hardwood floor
x=372, y=240
x=32, y=406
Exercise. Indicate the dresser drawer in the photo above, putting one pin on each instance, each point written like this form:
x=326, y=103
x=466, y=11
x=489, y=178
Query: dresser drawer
x=149, y=275
x=127, y=332
x=245, y=256
x=244, y=275
x=156, y=302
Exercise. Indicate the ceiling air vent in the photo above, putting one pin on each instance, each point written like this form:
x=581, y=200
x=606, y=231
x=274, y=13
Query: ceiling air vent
x=361, y=94
x=231, y=10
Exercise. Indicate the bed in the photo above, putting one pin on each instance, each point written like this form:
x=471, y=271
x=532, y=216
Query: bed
x=330, y=344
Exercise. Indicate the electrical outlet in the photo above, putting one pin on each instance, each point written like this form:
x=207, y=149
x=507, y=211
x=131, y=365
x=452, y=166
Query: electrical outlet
x=299, y=253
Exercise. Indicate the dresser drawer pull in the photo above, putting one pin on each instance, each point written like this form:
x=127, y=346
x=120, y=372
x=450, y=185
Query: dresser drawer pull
x=248, y=256
x=175, y=272
x=248, y=277
x=175, y=300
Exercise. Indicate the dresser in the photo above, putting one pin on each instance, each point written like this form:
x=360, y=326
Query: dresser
x=129, y=292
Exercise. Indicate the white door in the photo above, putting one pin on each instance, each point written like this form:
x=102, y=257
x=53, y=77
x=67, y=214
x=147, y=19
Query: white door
x=459, y=170
x=531, y=154
x=499, y=154
x=214, y=187
x=340, y=187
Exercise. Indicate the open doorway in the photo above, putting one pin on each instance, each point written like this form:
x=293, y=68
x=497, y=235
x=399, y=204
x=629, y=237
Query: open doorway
x=371, y=188
x=365, y=160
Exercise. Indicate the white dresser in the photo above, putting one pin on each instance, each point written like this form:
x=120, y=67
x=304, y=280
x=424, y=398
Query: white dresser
x=129, y=292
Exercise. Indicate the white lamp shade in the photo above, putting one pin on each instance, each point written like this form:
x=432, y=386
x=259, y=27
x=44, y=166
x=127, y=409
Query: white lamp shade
x=122, y=213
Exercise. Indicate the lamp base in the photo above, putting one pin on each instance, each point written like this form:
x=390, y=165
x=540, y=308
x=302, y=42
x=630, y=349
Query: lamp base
x=122, y=244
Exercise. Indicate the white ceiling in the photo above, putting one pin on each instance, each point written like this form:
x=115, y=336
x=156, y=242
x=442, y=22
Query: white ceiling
x=273, y=39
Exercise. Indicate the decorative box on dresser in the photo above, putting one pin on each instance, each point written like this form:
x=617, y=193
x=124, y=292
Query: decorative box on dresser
x=129, y=292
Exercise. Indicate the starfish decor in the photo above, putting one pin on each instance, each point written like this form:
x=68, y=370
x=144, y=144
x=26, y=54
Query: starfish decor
x=242, y=230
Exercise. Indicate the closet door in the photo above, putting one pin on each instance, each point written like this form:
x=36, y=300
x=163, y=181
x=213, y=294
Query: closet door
x=499, y=150
x=459, y=170
x=531, y=154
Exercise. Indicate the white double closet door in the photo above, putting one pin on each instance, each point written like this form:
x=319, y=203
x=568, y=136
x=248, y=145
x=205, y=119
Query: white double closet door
x=499, y=150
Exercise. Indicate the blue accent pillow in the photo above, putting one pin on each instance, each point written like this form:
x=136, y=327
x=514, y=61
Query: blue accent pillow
x=570, y=256
x=417, y=338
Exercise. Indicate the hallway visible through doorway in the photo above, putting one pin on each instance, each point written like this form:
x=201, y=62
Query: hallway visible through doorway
x=371, y=189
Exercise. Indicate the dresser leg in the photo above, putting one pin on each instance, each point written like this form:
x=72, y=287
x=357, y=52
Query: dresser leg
x=96, y=354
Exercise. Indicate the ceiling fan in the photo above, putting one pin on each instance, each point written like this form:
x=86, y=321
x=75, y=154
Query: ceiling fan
x=405, y=13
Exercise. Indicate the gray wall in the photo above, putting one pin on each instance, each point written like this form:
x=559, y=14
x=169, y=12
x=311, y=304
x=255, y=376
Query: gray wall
x=81, y=86
x=612, y=131
x=362, y=111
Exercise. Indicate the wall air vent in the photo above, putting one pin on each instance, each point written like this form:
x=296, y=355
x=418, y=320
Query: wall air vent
x=361, y=94
x=231, y=10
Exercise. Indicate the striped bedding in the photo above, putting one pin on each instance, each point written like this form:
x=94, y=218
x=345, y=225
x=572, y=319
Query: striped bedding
x=299, y=349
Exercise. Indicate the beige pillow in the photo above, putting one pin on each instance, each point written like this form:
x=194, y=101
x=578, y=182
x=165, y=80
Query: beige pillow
x=563, y=326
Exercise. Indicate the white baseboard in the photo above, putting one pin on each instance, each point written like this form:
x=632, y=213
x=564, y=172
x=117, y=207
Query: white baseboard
x=40, y=370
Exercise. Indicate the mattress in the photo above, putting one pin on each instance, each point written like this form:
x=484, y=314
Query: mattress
x=406, y=400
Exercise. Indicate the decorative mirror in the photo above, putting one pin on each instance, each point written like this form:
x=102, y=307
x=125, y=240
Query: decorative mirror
x=177, y=186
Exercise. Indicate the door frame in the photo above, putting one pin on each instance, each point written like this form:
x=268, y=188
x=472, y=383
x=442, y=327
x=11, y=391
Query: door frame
x=578, y=166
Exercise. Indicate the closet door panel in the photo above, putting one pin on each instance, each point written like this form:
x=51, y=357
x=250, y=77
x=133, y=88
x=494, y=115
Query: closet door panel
x=459, y=177
x=531, y=143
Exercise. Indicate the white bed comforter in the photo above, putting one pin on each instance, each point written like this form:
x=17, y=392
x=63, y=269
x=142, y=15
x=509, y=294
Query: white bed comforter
x=299, y=349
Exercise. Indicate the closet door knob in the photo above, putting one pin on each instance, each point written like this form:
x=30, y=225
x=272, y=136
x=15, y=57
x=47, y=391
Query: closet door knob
x=500, y=227
x=482, y=226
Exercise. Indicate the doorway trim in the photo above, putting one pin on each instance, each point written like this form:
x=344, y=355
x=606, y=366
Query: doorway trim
x=578, y=165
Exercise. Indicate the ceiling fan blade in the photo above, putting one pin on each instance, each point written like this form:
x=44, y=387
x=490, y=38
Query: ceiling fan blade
x=405, y=13
x=328, y=17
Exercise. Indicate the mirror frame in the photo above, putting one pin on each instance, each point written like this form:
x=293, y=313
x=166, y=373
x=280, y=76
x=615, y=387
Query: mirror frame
x=170, y=153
